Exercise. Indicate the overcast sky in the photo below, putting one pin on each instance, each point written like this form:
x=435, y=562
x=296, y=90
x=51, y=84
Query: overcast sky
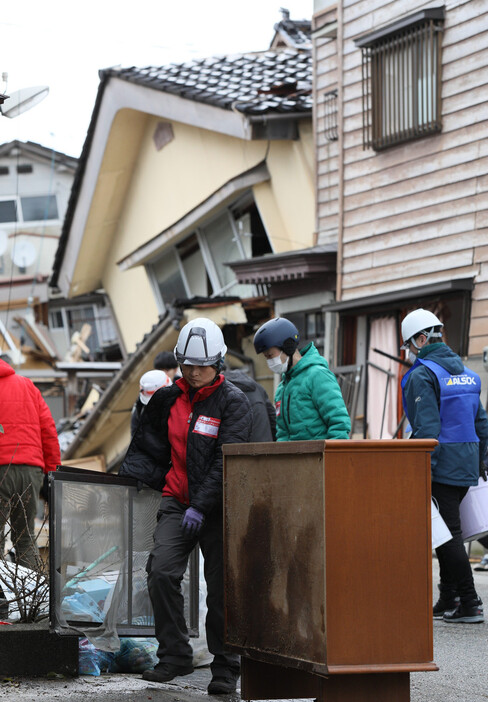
x=63, y=45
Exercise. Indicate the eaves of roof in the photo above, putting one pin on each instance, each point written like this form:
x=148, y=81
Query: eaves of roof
x=378, y=302
x=292, y=265
x=75, y=188
x=31, y=148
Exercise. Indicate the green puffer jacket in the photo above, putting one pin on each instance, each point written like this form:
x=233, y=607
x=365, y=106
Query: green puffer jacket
x=309, y=402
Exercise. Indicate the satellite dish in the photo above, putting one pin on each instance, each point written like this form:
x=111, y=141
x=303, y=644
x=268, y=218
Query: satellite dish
x=22, y=100
x=3, y=241
x=24, y=254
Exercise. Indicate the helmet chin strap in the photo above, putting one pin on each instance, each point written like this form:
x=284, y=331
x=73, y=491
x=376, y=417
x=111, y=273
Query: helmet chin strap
x=431, y=334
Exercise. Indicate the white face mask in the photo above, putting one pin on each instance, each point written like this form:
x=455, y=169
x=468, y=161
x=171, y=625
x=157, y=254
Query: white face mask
x=412, y=357
x=277, y=365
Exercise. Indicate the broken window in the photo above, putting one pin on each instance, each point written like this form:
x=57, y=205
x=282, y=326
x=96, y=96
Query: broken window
x=197, y=265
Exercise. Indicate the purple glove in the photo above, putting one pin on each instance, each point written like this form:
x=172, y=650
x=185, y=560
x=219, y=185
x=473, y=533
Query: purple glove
x=192, y=521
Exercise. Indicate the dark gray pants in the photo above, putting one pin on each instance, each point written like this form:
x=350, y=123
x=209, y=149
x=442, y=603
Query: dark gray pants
x=454, y=567
x=19, y=495
x=166, y=566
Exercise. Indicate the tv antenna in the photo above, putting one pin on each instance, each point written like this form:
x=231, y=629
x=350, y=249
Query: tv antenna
x=21, y=100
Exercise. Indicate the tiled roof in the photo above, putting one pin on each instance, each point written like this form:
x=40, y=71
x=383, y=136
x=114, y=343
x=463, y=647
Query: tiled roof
x=273, y=81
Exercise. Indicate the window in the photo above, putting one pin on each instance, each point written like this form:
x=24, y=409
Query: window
x=197, y=266
x=401, y=75
x=168, y=277
x=56, y=319
x=29, y=209
x=4, y=170
x=194, y=270
x=103, y=337
x=24, y=168
x=311, y=327
x=224, y=247
x=315, y=325
x=39, y=208
x=8, y=211
x=330, y=116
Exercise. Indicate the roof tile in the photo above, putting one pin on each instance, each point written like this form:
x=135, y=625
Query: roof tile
x=254, y=83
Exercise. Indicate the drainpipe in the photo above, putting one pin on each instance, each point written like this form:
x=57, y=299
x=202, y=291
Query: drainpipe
x=340, y=168
x=340, y=134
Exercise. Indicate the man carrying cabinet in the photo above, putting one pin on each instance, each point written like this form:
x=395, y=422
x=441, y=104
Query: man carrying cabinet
x=441, y=398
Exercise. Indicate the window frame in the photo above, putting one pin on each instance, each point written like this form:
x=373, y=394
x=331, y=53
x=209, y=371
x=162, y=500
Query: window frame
x=16, y=202
x=330, y=119
x=66, y=313
x=20, y=219
x=217, y=285
x=412, y=49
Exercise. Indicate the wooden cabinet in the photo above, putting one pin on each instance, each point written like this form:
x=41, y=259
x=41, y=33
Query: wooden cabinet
x=328, y=566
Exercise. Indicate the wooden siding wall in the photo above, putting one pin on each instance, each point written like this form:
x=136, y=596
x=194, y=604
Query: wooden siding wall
x=417, y=213
x=325, y=80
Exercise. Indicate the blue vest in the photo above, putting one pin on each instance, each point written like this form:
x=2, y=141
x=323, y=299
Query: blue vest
x=459, y=402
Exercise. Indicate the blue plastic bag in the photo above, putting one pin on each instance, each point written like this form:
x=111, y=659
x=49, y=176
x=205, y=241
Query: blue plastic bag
x=92, y=661
x=135, y=655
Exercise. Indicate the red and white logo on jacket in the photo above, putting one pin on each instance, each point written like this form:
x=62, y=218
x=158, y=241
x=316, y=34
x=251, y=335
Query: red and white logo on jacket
x=208, y=426
x=278, y=408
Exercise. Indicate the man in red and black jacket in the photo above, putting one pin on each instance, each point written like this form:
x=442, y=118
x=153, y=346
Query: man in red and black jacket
x=177, y=447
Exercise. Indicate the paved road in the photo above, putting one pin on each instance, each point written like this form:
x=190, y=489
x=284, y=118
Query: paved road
x=460, y=651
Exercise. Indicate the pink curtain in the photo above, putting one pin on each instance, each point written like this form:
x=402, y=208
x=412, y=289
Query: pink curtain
x=382, y=384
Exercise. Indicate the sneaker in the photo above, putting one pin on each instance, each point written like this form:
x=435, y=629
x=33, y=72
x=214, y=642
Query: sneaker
x=468, y=613
x=483, y=564
x=164, y=672
x=442, y=606
x=221, y=685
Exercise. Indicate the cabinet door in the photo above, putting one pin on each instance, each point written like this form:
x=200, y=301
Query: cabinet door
x=101, y=532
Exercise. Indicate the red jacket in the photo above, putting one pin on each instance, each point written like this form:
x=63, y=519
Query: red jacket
x=29, y=434
x=178, y=427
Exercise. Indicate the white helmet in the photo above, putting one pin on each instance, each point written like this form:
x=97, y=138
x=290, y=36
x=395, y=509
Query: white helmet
x=150, y=382
x=200, y=343
x=420, y=321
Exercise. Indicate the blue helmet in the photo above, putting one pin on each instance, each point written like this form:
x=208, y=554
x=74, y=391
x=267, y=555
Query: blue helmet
x=278, y=332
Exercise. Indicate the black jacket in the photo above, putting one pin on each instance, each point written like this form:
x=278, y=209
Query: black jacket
x=148, y=457
x=263, y=412
x=135, y=415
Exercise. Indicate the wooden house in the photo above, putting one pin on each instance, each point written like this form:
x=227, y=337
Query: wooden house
x=401, y=124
